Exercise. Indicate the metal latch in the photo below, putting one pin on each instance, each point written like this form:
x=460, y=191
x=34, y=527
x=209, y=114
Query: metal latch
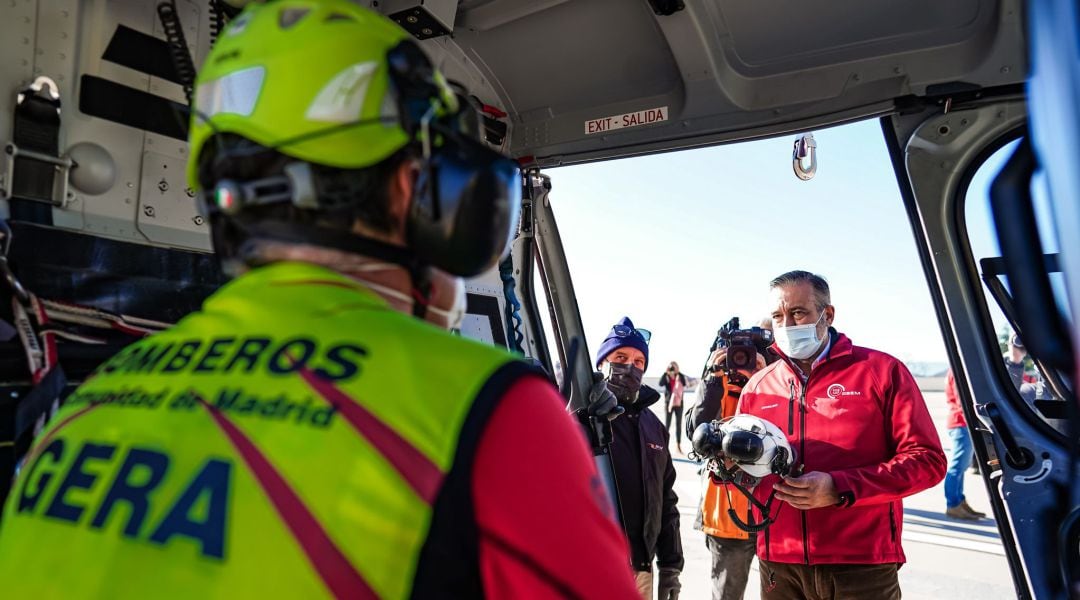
x=62, y=163
x=805, y=147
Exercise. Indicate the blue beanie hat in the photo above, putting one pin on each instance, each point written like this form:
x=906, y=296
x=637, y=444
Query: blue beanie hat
x=631, y=338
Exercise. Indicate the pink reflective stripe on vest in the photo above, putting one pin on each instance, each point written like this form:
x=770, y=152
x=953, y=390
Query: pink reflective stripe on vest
x=422, y=475
x=325, y=557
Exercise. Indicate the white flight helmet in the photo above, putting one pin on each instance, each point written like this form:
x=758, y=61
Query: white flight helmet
x=757, y=446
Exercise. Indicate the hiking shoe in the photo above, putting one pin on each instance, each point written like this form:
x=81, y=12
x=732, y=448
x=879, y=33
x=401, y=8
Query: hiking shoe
x=964, y=505
x=958, y=512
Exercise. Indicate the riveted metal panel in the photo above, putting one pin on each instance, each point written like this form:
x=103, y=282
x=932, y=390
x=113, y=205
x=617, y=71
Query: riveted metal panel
x=87, y=28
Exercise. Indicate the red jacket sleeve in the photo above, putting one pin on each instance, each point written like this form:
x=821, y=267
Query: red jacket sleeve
x=544, y=519
x=919, y=462
x=952, y=398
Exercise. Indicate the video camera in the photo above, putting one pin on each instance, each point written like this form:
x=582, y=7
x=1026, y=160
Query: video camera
x=742, y=345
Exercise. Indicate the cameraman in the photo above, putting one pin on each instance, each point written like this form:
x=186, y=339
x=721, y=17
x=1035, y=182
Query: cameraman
x=732, y=548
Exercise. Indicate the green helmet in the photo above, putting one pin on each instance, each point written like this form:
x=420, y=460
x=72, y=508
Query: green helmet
x=308, y=78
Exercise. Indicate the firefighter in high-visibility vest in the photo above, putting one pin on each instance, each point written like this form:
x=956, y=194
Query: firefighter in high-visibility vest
x=314, y=430
x=732, y=548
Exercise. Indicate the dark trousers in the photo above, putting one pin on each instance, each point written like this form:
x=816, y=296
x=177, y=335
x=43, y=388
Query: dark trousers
x=677, y=411
x=730, y=566
x=783, y=581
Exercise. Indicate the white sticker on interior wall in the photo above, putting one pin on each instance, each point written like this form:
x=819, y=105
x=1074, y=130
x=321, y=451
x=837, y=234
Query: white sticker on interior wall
x=634, y=119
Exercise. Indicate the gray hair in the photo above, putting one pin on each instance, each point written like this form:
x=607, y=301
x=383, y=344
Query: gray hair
x=821, y=287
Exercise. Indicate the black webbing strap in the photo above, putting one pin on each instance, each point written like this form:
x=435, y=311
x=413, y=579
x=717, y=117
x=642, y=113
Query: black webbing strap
x=38, y=401
x=18, y=414
x=36, y=128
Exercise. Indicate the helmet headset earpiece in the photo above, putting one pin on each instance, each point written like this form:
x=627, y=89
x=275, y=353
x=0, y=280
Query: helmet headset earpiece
x=467, y=197
x=758, y=448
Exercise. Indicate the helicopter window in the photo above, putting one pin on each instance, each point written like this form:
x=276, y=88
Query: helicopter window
x=1040, y=386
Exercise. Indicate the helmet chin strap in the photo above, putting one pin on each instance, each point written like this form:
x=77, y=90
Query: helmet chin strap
x=351, y=243
x=730, y=476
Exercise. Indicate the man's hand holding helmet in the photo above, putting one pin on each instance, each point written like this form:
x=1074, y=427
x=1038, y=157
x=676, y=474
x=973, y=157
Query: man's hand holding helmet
x=810, y=490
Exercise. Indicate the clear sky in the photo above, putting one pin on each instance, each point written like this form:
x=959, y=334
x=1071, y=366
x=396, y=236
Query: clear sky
x=681, y=242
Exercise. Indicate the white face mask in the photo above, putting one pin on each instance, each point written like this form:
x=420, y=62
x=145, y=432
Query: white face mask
x=449, y=317
x=452, y=317
x=799, y=341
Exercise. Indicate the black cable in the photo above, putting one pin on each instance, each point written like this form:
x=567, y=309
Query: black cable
x=220, y=15
x=217, y=21
x=178, y=50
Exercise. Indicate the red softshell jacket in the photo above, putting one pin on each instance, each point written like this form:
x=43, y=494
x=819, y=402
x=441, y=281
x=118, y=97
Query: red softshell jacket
x=862, y=419
x=952, y=398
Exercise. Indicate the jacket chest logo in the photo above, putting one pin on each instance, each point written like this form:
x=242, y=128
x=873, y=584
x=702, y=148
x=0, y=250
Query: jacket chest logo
x=837, y=390
x=656, y=447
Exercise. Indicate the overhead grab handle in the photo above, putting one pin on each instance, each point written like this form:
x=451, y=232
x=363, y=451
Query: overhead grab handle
x=805, y=148
x=1041, y=323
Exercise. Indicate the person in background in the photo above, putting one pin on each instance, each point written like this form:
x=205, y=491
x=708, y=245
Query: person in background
x=674, y=385
x=1014, y=358
x=644, y=473
x=956, y=506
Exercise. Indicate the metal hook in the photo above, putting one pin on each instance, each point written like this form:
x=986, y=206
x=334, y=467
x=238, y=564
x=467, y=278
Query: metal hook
x=41, y=84
x=805, y=147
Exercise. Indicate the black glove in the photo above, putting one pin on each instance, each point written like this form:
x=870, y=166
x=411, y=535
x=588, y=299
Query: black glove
x=668, y=586
x=602, y=402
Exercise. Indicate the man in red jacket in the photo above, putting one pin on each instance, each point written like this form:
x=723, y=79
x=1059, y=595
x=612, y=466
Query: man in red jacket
x=864, y=440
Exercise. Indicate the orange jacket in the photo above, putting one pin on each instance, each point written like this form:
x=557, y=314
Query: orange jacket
x=717, y=498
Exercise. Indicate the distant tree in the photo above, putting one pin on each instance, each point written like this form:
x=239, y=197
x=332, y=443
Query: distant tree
x=1003, y=339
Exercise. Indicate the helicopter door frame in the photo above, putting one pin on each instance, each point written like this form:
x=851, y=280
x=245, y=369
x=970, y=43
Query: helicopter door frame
x=573, y=352
x=935, y=154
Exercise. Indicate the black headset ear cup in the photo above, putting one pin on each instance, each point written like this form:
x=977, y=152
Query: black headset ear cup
x=466, y=208
x=468, y=196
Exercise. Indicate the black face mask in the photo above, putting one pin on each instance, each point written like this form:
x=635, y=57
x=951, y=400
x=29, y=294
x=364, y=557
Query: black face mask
x=624, y=380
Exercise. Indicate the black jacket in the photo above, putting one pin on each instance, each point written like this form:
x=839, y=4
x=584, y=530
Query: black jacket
x=645, y=477
x=708, y=405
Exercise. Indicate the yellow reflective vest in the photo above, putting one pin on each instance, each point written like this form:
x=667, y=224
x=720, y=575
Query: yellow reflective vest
x=287, y=441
